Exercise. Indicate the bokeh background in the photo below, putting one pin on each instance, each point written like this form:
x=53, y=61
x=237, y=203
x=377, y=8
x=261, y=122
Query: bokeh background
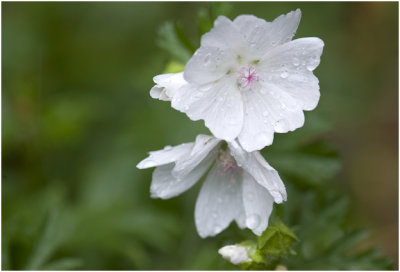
x=77, y=118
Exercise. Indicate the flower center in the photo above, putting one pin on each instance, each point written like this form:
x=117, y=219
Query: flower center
x=226, y=162
x=247, y=76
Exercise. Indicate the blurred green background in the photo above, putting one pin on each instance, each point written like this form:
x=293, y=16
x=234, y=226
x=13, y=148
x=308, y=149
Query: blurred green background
x=77, y=118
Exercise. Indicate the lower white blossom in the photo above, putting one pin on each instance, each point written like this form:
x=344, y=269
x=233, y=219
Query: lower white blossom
x=240, y=186
x=234, y=254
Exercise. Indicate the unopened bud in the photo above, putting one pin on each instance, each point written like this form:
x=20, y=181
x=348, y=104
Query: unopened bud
x=234, y=254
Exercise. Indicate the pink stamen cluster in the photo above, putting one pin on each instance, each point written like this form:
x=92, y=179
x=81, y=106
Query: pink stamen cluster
x=247, y=76
x=226, y=162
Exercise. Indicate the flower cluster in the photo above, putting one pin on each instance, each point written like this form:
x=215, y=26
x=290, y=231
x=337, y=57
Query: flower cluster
x=247, y=80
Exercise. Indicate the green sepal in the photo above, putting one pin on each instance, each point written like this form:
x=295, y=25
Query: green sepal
x=276, y=240
x=252, y=251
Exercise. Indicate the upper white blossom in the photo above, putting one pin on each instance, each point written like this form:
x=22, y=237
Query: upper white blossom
x=235, y=254
x=249, y=79
x=240, y=186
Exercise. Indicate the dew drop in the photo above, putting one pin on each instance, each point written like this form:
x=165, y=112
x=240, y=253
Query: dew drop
x=284, y=74
x=296, y=62
x=207, y=59
x=198, y=95
x=253, y=221
x=279, y=126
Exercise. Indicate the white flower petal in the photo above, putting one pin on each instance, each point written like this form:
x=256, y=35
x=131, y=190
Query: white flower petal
x=247, y=23
x=202, y=147
x=216, y=55
x=261, y=171
x=218, y=203
x=261, y=35
x=219, y=105
x=167, y=155
x=167, y=85
x=289, y=68
x=285, y=26
x=158, y=92
x=257, y=203
x=164, y=185
x=267, y=112
x=223, y=35
x=208, y=64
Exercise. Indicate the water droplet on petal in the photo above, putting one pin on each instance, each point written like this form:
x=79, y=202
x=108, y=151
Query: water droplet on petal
x=284, y=74
x=207, y=59
x=253, y=221
x=296, y=62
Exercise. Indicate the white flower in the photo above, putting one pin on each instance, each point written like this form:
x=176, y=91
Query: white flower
x=234, y=254
x=240, y=186
x=249, y=79
x=166, y=86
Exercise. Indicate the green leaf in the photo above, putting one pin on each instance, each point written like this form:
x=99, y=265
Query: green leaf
x=64, y=264
x=46, y=244
x=173, y=40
